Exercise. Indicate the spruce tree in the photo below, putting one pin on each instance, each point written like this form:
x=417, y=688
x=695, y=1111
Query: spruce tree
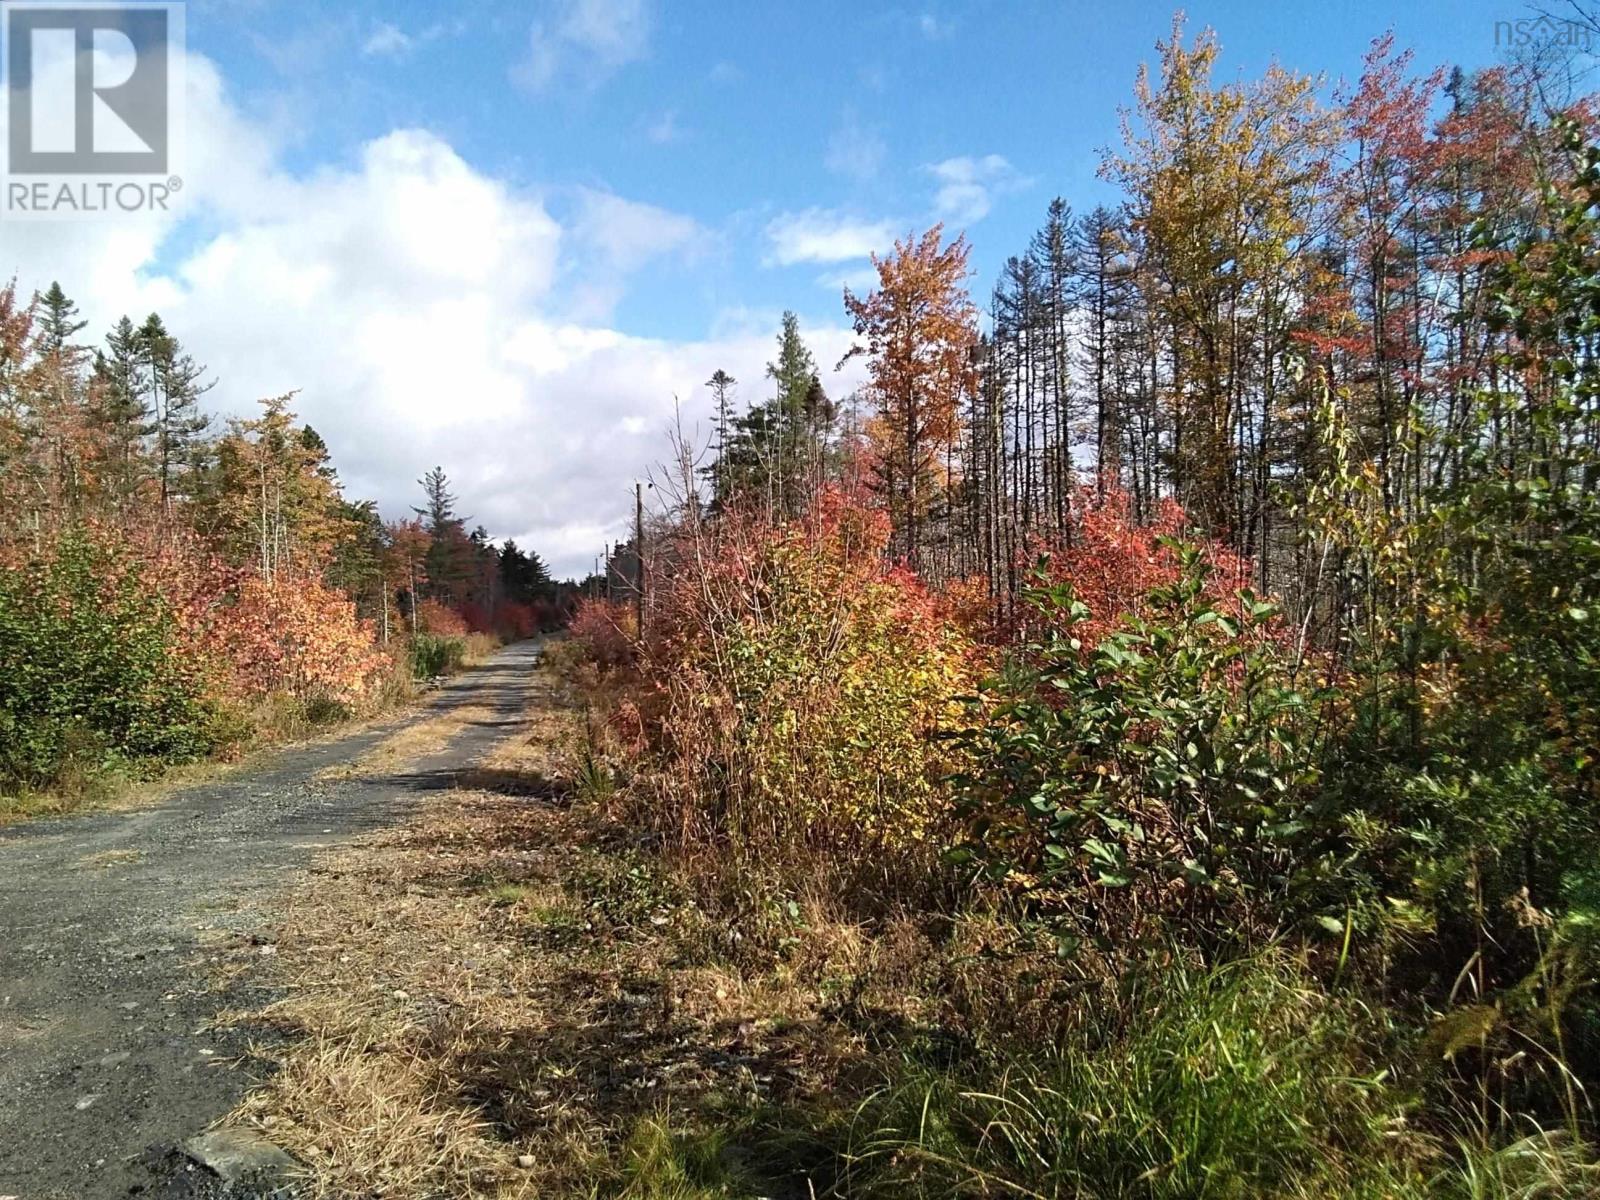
x=175, y=383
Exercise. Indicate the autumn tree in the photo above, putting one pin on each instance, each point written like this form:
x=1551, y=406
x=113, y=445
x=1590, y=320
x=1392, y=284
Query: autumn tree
x=917, y=329
x=272, y=497
x=1223, y=184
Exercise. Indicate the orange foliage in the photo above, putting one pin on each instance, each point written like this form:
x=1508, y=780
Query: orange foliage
x=605, y=630
x=1113, y=563
x=438, y=618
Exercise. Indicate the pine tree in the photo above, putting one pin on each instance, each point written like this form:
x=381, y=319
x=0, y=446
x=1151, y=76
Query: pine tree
x=117, y=398
x=175, y=383
x=58, y=323
x=449, y=552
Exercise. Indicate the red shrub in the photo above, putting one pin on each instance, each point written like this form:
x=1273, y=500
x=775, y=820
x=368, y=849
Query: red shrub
x=605, y=629
x=1113, y=563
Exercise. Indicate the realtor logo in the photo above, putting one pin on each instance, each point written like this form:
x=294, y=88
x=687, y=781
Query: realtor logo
x=90, y=92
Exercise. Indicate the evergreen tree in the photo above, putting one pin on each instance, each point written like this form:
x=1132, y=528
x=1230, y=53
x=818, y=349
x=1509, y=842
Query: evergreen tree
x=449, y=553
x=175, y=383
x=59, y=323
x=117, y=392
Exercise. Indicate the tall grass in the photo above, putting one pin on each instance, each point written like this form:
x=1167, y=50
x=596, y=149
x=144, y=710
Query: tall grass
x=1241, y=1080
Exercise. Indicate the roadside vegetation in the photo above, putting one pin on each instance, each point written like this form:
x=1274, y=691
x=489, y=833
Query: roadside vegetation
x=934, y=818
x=1148, y=749
x=170, y=595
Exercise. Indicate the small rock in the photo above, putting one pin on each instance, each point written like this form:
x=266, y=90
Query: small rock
x=86, y=1101
x=241, y=1156
x=525, y=1161
x=206, y=1052
x=129, y=1006
x=268, y=951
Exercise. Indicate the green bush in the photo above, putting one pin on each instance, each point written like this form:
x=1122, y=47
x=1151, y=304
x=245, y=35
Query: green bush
x=1163, y=776
x=91, y=670
x=432, y=654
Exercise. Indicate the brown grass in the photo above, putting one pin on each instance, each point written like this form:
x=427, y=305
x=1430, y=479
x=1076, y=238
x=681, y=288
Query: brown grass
x=491, y=1000
x=417, y=740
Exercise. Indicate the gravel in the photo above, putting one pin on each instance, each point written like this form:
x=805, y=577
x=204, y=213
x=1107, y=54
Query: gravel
x=113, y=930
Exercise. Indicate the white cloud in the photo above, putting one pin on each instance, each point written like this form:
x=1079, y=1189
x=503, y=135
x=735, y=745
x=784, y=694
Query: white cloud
x=854, y=150
x=584, y=41
x=934, y=27
x=820, y=235
x=858, y=280
x=387, y=41
x=968, y=186
x=664, y=128
x=423, y=310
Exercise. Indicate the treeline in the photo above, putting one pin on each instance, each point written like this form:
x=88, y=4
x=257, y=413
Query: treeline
x=169, y=586
x=1195, y=674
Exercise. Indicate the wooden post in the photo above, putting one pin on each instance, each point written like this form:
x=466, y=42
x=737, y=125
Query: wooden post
x=638, y=549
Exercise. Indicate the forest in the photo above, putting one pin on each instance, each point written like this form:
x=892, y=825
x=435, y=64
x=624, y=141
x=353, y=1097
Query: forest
x=174, y=589
x=1178, y=664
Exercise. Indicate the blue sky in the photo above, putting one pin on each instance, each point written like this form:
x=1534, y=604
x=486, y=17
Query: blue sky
x=515, y=239
x=735, y=112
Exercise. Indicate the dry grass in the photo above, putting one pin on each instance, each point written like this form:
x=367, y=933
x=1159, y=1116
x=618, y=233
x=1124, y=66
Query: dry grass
x=416, y=741
x=489, y=1001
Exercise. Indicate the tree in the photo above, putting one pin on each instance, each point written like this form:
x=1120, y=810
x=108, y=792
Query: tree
x=59, y=323
x=1222, y=183
x=175, y=383
x=449, y=551
x=272, y=496
x=117, y=399
x=918, y=330
x=721, y=385
x=780, y=443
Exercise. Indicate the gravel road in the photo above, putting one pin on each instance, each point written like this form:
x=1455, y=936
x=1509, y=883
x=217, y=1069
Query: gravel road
x=114, y=927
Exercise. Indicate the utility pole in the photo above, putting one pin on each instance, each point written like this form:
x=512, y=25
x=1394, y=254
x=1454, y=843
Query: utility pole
x=638, y=548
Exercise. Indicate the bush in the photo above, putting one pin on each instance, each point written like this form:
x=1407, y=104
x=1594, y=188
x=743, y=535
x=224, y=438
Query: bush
x=1162, y=777
x=94, y=668
x=798, y=687
x=433, y=656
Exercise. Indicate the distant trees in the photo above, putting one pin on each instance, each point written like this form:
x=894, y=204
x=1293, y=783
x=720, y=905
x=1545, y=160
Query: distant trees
x=771, y=451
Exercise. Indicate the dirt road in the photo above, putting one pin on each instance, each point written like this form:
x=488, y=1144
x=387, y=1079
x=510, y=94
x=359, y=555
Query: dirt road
x=114, y=928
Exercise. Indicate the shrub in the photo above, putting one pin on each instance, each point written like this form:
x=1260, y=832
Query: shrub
x=1163, y=774
x=790, y=686
x=439, y=619
x=94, y=667
x=606, y=631
x=432, y=656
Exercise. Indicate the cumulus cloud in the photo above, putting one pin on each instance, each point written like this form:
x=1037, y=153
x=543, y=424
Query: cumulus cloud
x=421, y=308
x=387, y=41
x=968, y=186
x=820, y=235
x=584, y=41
